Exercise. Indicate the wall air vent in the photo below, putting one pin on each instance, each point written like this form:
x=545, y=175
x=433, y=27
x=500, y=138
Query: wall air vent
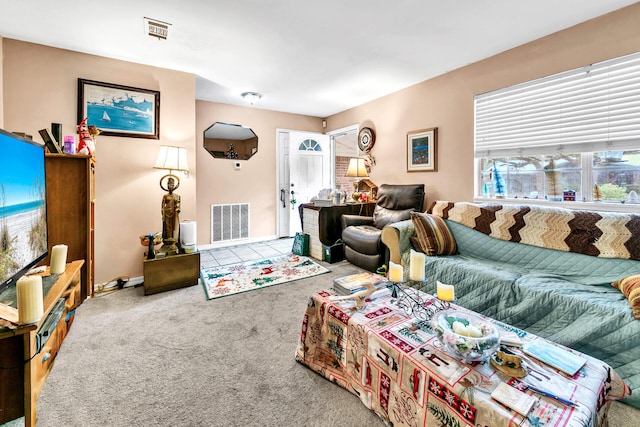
x=156, y=28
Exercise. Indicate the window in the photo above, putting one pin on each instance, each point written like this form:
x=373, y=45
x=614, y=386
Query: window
x=563, y=135
x=309, y=145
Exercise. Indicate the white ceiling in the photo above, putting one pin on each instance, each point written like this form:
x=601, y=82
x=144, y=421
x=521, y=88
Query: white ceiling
x=312, y=57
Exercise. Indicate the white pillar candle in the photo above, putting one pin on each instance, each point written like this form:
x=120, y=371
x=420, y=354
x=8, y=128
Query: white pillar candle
x=416, y=266
x=58, y=259
x=188, y=233
x=445, y=292
x=395, y=272
x=29, y=296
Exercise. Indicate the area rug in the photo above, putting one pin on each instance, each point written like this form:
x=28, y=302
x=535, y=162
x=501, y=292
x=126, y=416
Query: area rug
x=250, y=275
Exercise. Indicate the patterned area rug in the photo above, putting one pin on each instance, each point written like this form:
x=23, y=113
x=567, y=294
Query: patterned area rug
x=246, y=276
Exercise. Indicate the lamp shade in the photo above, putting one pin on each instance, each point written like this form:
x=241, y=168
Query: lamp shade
x=172, y=158
x=357, y=168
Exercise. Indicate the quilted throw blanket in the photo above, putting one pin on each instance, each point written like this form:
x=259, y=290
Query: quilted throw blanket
x=600, y=234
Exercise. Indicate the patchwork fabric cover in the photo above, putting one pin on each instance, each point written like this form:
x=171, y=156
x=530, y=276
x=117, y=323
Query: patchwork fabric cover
x=600, y=234
x=397, y=367
x=563, y=296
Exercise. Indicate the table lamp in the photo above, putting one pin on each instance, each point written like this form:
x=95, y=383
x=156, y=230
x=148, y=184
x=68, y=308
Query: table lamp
x=357, y=169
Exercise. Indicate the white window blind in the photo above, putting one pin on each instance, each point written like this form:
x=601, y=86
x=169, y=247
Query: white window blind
x=593, y=108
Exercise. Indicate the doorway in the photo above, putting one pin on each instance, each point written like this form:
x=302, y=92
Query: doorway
x=335, y=150
x=305, y=166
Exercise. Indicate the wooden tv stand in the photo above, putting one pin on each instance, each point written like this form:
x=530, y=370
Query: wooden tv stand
x=25, y=366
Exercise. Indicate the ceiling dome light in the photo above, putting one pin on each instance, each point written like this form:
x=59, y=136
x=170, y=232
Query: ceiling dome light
x=251, y=97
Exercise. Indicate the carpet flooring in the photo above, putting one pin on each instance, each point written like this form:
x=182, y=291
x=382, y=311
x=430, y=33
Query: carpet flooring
x=176, y=359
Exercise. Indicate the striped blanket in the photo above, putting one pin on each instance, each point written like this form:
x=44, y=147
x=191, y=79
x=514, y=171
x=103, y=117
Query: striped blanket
x=600, y=234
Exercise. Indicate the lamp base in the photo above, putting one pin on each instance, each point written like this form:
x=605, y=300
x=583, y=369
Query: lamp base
x=169, y=247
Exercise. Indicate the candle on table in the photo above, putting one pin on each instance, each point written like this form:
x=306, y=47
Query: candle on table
x=416, y=266
x=29, y=296
x=445, y=292
x=58, y=259
x=395, y=272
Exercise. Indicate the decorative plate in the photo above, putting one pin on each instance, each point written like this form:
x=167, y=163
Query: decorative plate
x=366, y=139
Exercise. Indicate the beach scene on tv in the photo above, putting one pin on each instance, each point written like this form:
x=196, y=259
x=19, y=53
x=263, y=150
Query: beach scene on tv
x=23, y=214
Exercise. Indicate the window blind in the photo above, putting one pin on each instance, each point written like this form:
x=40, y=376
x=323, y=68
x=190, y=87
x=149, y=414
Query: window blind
x=592, y=108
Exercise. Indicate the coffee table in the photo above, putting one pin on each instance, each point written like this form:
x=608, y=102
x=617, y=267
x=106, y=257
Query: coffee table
x=394, y=362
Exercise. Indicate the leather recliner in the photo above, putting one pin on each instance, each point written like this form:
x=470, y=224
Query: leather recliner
x=361, y=234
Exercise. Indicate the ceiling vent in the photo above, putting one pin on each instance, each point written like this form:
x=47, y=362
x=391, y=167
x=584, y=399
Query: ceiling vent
x=155, y=28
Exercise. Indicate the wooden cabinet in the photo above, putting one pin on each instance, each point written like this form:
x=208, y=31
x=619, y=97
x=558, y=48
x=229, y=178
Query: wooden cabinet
x=27, y=353
x=172, y=272
x=70, y=210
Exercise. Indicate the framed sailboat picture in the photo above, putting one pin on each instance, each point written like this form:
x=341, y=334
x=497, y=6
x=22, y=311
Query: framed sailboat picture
x=119, y=110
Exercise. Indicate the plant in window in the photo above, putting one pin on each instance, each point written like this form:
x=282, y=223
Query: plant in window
x=499, y=182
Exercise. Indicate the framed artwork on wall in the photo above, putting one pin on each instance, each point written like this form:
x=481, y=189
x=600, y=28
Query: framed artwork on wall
x=422, y=150
x=119, y=110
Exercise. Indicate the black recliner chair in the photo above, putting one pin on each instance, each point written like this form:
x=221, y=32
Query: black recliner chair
x=361, y=234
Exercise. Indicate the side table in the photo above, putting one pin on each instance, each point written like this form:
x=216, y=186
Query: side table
x=171, y=272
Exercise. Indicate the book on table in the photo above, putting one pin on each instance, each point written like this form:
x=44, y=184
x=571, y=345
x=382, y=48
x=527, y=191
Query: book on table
x=347, y=285
x=555, y=356
x=517, y=400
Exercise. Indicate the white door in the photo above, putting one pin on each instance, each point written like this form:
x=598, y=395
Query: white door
x=304, y=170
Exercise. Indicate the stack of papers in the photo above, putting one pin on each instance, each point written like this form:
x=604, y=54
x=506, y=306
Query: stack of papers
x=348, y=285
x=555, y=356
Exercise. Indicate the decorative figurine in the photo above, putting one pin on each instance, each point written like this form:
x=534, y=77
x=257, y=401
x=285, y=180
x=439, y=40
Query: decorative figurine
x=359, y=296
x=170, y=217
x=86, y=144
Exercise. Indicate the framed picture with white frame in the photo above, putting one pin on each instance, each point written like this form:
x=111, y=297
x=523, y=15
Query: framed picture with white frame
x=422, y=150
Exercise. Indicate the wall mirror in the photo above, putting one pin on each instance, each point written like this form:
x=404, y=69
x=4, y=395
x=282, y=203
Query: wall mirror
x=228, y=141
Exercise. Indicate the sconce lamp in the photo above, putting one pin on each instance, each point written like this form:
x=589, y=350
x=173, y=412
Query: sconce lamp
x=171, y=158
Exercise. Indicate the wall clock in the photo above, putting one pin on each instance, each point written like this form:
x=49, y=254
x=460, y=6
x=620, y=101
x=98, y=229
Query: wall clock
x=366, y=139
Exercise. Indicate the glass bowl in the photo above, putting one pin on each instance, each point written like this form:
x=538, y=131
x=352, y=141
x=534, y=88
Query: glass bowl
x=466, y=336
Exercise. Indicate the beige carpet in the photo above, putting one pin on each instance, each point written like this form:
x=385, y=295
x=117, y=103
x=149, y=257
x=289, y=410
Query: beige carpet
x=176, y=359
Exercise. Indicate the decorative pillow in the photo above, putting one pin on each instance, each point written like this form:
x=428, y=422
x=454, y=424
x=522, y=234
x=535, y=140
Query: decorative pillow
x=433, y=235
x=415, y=244
x=630, y=287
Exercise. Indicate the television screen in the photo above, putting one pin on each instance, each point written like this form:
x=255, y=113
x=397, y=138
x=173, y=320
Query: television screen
x=23, y=211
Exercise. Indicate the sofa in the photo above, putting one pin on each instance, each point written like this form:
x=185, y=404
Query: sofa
x=543, y=270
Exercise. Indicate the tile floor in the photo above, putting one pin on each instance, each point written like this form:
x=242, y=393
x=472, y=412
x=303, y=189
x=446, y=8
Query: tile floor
x=246, y=252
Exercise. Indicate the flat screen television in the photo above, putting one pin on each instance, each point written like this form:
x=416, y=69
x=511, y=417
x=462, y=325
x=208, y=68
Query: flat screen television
x=23, y=210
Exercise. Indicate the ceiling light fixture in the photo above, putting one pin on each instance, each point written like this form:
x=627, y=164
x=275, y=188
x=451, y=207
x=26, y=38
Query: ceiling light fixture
x=156, y=28
x=251, y=97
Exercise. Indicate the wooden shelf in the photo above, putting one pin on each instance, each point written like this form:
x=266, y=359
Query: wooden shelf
x=26, y=366
x=70, y=210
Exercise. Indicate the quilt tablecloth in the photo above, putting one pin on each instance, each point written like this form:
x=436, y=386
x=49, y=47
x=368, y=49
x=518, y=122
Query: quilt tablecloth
x=396, y=365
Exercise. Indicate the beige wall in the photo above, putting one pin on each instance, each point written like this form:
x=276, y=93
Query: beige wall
x=446, y=102
x=255, y=182
x=40, y=87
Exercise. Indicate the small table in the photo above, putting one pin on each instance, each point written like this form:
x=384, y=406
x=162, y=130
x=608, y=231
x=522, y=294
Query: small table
x=171, y=272
x=396, y=365
x=322, y=223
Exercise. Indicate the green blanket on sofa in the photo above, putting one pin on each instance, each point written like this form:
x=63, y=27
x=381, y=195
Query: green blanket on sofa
x=563, y=296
